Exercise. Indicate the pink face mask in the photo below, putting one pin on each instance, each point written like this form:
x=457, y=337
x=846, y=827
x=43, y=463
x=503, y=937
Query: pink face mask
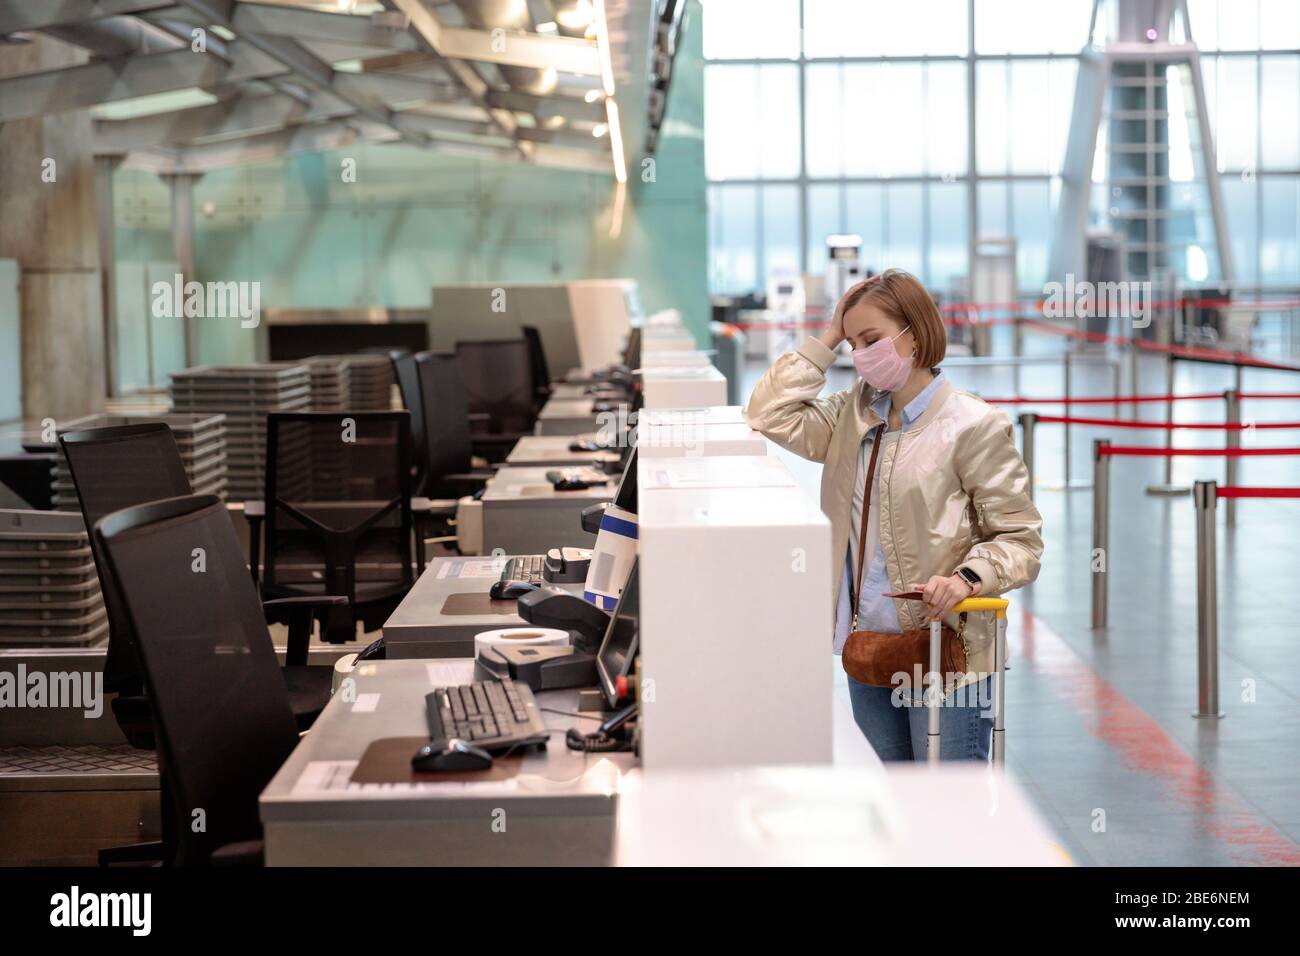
x=881, y=366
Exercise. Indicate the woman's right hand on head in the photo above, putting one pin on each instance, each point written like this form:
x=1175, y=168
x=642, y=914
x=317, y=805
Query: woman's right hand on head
x=834, y=333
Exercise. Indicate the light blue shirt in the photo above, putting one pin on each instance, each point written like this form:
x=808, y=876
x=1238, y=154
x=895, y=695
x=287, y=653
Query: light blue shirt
x=875, y=611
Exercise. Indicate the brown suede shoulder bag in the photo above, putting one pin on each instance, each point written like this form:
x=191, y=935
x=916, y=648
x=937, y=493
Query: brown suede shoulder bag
x=874, y=657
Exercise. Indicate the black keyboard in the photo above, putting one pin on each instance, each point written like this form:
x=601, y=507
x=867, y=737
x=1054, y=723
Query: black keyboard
x=495, y=715
x=526, y=567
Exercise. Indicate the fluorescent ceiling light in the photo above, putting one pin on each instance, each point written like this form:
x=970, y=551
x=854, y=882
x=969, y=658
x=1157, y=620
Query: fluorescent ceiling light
x=607, y=83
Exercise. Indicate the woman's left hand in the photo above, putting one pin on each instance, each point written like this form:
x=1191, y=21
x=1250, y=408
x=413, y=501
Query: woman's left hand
x=944, y=594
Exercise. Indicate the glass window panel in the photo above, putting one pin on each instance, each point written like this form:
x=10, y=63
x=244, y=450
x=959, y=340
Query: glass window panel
x=945, y=119
x=948, y=238
x=1031, y=225
x=751, y=121
x=1279, y=257
x=1238, y=25
x=1235, y=128
x=992, y=203
x=884, y=28
x=825, y=128
x=751, y=29
x=733, y=232
x=863, y=117
x=731, y=118
x=898, y=120
x=1240, y=208
x=1031, y=102
x=865, y=214
x=1279, y=24
x=992, y=133
x=1031, y=26
x=1061, y=76
x=780, y=116
x=1279, y=112
x=825, y=218
x=780, y=229
x=905, y=231
x=1203, y=15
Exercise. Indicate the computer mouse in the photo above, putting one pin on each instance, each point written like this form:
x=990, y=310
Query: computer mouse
x=450, y=754
x=509, y=590
x=570, y=483
x=587, y=445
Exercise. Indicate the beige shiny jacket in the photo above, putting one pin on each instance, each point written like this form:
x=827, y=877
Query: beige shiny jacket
x=954, y=490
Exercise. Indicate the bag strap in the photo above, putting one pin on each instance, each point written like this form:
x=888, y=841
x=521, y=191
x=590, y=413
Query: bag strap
x=862, y=525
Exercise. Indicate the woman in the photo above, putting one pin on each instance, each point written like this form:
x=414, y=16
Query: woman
x=956, y=519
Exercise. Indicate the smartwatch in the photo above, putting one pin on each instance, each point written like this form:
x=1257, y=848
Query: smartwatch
x=970, y=577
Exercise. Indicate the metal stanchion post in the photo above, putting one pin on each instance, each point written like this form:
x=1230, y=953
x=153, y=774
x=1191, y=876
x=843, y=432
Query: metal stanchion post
x=1027, y=422
x=1100, y=530
x=934, y=693
x=1168, y=488
x=1065, y=480
x=1000, y=690
x=1207, y=604
x=1133, y=363
x=1018, y=340
x=1169, y=416
x=1232, y=398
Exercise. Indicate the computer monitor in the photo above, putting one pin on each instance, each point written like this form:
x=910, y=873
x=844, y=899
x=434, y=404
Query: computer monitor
x=618, y=650
x=625, y=497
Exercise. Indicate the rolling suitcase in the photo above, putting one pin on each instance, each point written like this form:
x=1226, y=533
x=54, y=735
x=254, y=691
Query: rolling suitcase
x=933, y=696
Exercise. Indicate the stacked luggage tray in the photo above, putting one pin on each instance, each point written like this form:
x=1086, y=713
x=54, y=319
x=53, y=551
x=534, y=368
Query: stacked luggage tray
x=370, y=382
x=200, y=438
x=329, y=382
x=49, y=591
x=244, y=394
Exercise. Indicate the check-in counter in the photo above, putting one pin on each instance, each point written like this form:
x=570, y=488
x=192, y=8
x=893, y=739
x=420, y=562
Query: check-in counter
x=675, y=387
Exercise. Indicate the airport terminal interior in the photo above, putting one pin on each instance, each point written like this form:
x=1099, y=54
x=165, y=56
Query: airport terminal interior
x=436, y=433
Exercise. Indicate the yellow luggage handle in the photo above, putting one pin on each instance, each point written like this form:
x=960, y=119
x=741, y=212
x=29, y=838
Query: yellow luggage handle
x=997, y=605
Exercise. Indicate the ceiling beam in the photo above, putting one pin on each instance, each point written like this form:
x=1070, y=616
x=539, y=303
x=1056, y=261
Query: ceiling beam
x=265, y=147
x=569, y=107
x=124, y=78
x=430, y=30
x=304, y=65
x=565, y=54
x=241, y=116
x=29, y=15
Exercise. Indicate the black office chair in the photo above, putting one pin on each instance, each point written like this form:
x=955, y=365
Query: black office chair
x=338, y=512
x=537, y=360
x=224, y=723
x=446, y=421
x=498, y=377
x=408, y=384
x=124, y=465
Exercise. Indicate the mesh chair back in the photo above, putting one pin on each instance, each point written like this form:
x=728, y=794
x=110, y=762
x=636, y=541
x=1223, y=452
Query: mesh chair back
x=499, y=382
x=114, y=468
x=221, y=712
x=408, y=383
x=338, y=504
x=632, y=354
x=445, y=416
x=537, y=359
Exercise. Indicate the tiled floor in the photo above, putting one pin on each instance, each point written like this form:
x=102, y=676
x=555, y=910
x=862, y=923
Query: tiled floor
x=1100, y=730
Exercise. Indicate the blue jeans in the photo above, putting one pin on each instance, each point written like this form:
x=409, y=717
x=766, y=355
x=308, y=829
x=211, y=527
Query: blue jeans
x=897, y=731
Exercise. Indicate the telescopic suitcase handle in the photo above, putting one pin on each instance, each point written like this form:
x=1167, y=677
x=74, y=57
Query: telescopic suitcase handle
x=933, y=696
